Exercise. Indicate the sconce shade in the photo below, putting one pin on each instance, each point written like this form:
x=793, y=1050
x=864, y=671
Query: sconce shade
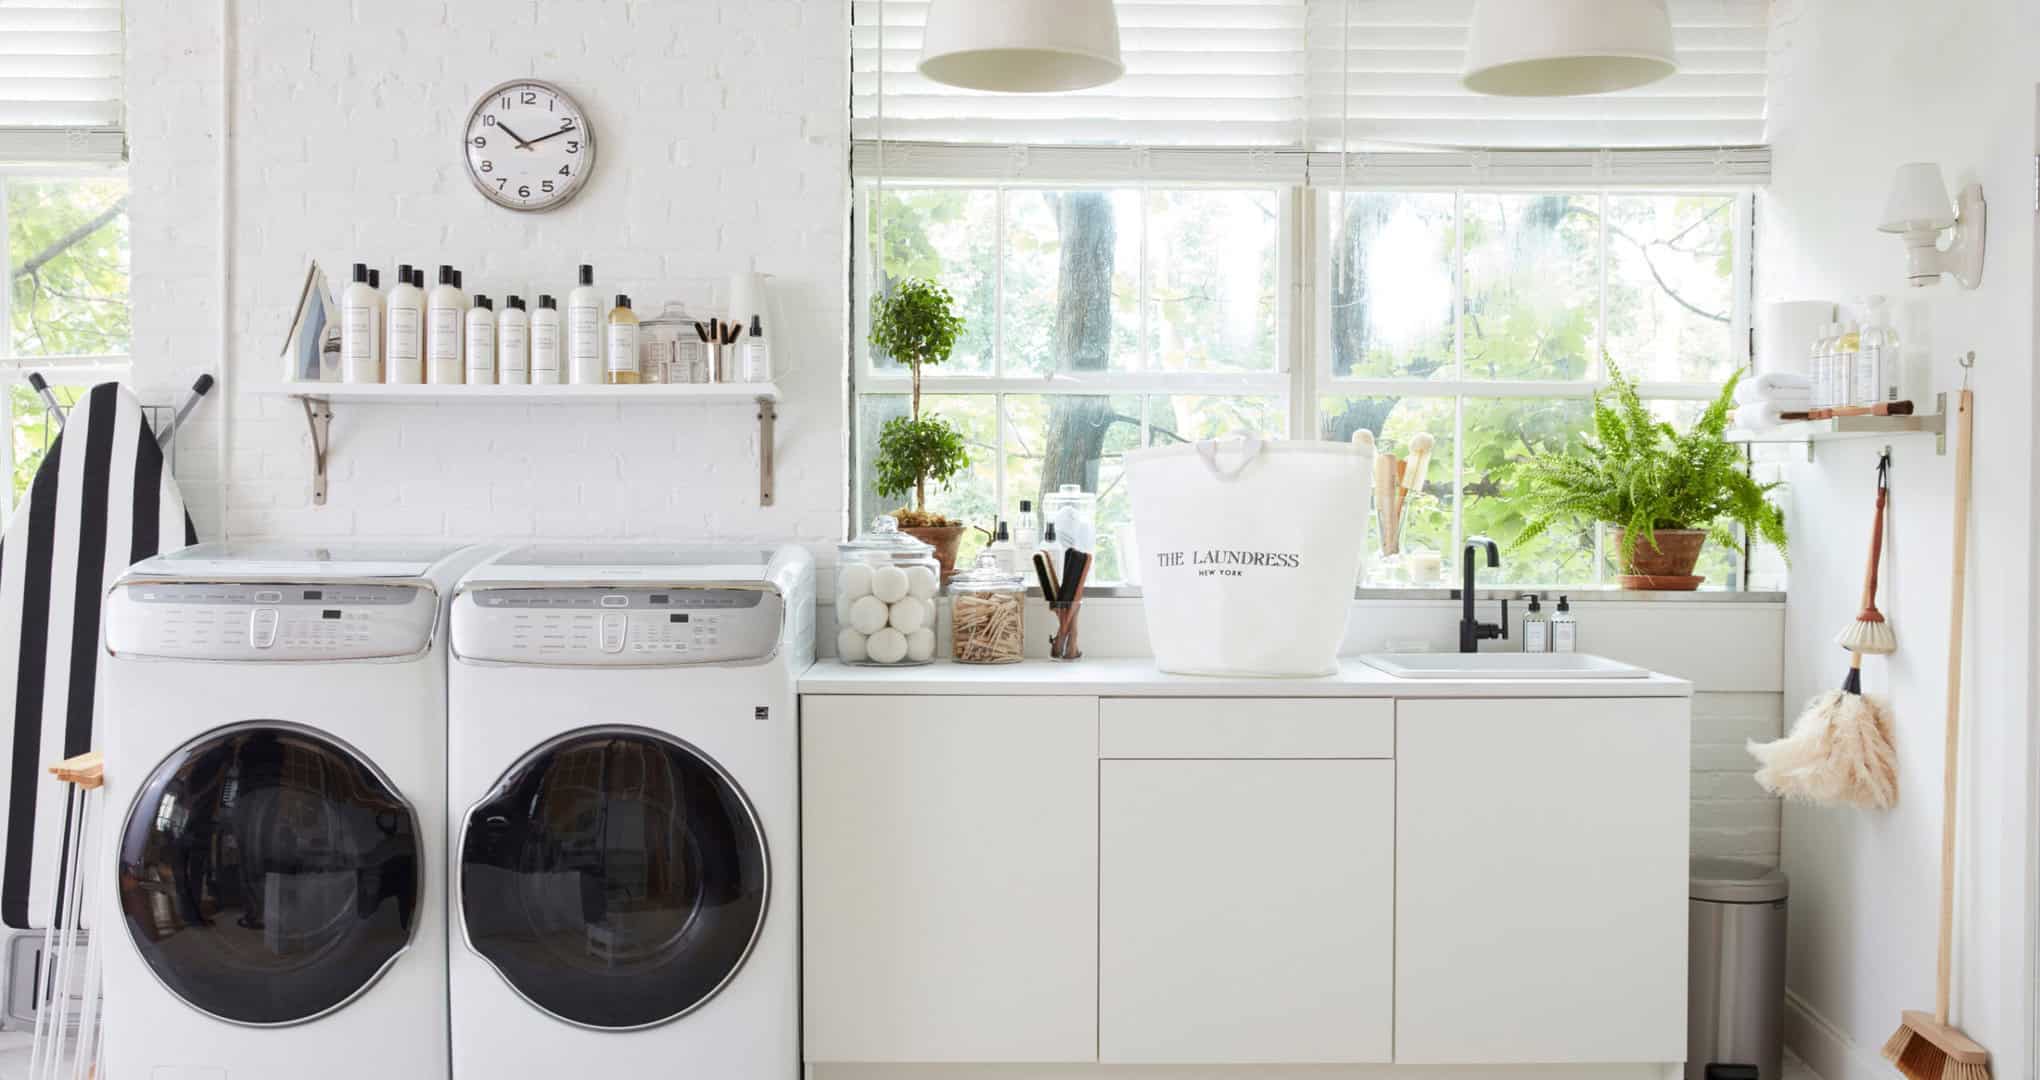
x=1022, y=46
x=1919, y=200
x=1563, y=48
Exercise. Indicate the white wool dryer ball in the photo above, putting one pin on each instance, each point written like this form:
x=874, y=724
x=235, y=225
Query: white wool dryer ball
x=850, y=645
x=921, y=582
x=921, y=645
x=854, y=581
x=910, y=615
x=867, y=615
x=888, y=646
x=889, y=583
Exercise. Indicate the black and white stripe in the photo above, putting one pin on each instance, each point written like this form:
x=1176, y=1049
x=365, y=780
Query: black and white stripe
x=101, y=501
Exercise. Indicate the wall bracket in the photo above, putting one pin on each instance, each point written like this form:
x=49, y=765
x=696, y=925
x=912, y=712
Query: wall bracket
x=768, y=419
x=319, y=418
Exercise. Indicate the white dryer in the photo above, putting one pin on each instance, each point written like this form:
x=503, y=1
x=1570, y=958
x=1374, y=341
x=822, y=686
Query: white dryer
x=275, y=735
x=624, y=783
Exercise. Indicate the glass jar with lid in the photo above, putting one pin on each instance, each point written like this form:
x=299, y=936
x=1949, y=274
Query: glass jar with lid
x=1074, y=513
x=988, y=614
x=886, y=583
x=670, y=350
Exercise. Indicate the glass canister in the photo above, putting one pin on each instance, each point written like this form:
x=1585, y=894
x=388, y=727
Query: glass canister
x=1074, y=513
x=987, y=615
x=886, y=583
x=669, y=348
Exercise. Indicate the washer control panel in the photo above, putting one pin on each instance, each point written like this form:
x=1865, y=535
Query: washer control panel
x=297, y=621
x=622, y=627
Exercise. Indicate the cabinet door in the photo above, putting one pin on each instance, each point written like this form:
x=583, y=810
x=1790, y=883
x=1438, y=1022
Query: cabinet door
x=1541, y=881
x=950, y=852
x=1245, y=911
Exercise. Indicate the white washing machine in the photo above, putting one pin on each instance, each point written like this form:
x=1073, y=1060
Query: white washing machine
x=624, y=785
x=275, y=720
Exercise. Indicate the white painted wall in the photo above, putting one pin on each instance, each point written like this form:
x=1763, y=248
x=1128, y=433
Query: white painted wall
x=722, y=126
x=1858, y=87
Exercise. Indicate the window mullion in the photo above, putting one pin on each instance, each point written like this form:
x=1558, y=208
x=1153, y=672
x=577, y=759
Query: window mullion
x=1458, y=374
x=999, y=286
x=6, y=353
x=1141, y=289
x=1597, y=363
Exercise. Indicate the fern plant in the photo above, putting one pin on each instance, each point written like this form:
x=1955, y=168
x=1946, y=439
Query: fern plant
x=1638, y=472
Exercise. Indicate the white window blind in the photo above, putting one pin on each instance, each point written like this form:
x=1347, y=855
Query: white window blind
x=1198, y=73
x=60, y=80
x=1400, y=83
x=1300, y=74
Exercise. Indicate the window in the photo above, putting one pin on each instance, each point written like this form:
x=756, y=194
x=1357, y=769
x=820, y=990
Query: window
x=1107, y=318
x=65, y=299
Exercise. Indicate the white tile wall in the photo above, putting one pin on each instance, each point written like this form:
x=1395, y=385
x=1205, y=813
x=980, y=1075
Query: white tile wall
x=722, y=127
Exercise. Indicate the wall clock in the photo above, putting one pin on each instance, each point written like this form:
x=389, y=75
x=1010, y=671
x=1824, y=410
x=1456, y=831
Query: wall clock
x=528, y=145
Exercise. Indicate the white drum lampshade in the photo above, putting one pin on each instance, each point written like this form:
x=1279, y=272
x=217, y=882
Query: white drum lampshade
x=1022, y=46
x=1562, y=48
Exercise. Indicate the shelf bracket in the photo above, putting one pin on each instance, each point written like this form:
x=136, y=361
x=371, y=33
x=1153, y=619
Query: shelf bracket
x=319, y=418
x=1941, y=433
x=768, y=417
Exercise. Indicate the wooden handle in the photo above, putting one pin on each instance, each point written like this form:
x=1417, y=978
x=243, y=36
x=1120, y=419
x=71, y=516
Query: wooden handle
x=1965, y=411
x=87, y=770
x=1876, y=556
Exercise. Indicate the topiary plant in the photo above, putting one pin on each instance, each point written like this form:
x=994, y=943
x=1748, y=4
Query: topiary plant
x=917, y=325
x=1637, y=472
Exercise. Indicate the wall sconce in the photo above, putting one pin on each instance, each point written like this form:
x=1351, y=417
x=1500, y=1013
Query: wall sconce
x=1919, y=209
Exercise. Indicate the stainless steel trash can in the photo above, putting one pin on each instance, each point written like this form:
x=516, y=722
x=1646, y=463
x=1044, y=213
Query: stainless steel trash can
x=1735, y=1005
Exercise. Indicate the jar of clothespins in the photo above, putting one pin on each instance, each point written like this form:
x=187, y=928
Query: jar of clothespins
x=987, y=615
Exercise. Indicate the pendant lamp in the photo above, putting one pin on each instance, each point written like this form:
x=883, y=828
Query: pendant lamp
x=1022, y=46
x=1562, y=48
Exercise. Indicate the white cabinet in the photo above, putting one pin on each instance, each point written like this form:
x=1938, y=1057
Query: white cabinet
x=1246, y=910
x=1541, y=881
x=950, y=857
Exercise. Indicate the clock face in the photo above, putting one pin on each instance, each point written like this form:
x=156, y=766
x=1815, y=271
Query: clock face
x=528, y=145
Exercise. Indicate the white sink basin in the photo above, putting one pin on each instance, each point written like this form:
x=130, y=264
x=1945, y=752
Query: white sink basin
x=1501, y=665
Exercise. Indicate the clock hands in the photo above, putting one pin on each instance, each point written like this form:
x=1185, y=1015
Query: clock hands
x=543, y=138
x=522, y=143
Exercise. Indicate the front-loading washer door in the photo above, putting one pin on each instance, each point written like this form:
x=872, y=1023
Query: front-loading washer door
x=616, y=877
x=269, y=874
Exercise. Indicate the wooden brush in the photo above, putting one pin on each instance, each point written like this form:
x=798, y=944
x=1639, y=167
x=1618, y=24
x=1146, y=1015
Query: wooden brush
x=1869, y=634
x=1926, y=1046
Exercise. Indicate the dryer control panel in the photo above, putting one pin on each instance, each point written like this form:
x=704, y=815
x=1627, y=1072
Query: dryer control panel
x=630, y=626
x=292, y=621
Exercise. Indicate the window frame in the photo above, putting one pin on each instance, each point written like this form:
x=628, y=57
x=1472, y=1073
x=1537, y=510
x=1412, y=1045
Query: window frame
x=1302, y=374
x=59, y=370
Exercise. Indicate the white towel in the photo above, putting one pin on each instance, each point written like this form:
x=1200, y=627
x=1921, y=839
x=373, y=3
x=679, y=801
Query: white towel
x=1751, y=394
x=1763, y=415
x=1773, y=383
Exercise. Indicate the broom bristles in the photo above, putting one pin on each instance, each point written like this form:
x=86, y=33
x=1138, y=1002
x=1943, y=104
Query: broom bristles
x=1871, y=637
x=1918, y=1057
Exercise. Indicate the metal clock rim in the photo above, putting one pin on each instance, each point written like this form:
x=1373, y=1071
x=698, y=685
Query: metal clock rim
x=587, y=129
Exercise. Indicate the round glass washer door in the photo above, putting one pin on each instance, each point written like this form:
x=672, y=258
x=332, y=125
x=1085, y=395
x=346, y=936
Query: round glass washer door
x=269, y=874
x=616, y=878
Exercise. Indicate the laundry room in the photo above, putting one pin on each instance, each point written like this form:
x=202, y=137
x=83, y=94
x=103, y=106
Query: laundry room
x=1066, y=539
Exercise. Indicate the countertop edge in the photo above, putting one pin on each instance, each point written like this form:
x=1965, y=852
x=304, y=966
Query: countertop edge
x=1140, y=678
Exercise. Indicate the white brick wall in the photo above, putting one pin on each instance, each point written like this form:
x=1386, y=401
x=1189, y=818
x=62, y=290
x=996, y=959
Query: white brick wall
x=722, y=128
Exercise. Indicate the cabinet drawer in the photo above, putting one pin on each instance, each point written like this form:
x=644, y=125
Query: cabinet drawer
x=1246, y=728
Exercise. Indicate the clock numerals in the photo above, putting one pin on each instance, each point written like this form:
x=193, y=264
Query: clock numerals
x=545, y=160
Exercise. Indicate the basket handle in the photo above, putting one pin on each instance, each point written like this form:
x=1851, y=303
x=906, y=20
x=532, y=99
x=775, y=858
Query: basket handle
x=1250, y=445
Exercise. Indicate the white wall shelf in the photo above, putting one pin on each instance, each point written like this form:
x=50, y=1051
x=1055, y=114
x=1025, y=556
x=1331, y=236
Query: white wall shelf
x=1814, y=432
x=318, y=400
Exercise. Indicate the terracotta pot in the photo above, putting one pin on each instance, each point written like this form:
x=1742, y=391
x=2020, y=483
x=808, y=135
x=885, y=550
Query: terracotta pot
x=944, y=540
x=1668, y=566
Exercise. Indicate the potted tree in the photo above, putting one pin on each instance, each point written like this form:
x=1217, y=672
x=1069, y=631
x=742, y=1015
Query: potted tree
x=1665, y=493
x=916, y=324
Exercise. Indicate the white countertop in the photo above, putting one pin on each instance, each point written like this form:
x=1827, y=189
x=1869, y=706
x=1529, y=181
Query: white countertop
x=1141, y=678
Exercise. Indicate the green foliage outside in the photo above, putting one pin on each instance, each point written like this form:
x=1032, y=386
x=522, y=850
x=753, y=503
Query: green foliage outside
x=914, y=321
x=1638, y=472
x=67, y=263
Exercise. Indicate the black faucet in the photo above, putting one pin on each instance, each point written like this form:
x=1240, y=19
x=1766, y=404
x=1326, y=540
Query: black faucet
x=1472, y=632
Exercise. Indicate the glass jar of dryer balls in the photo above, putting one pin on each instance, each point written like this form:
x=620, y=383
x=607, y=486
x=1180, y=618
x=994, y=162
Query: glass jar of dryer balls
x=987, y=615
x=886, y=583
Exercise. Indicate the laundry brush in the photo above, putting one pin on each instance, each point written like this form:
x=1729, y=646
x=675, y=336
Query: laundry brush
x=1839, y=752
x=1869, y=634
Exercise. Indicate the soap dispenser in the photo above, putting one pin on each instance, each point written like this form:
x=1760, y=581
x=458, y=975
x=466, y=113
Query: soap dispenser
x=1565, y=630
x=1536, y=627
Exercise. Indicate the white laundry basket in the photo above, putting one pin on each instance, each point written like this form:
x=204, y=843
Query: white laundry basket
x=1249, y=552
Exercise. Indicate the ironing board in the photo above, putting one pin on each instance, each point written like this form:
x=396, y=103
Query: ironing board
x=101, y=500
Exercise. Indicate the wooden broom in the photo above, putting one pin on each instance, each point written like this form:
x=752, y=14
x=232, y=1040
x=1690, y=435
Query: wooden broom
x=1926, y=1046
